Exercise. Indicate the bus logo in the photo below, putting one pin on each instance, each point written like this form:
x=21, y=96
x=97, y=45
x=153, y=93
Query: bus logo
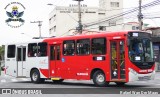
x=14, y=11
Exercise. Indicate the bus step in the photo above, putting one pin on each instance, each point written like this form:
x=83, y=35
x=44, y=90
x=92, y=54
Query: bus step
x=55, y=78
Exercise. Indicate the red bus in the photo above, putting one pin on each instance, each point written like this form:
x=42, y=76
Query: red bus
x=118, y=57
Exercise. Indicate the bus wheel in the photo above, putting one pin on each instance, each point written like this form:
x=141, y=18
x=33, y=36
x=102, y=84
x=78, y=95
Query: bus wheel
x=99, y=79
x=35, y=76
x=58, y=81
x=120, y=83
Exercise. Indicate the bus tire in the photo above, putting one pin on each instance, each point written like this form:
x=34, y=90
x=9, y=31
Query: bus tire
x=120, y=83
x=99, y=79
x=35, y=76
x=58, y=81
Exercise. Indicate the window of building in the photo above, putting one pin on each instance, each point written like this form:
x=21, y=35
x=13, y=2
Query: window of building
x=133, y=28
x=69, y=47
x=137, y=28
x=90, y=12
x=54, y=28
x=112, y=23
x=32, y=50
x=101, y=13
x=50, y=20
x=11, y=51
x=83, y=47
x=50, y=31
x=102, y=28
x=99, y=46
x=114, y=4
x=42, y=49
x=65, y=11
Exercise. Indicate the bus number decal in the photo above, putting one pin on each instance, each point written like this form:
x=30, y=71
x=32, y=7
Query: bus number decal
x=82, y=74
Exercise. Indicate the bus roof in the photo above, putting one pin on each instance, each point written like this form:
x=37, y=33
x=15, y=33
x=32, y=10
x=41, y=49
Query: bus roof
x=23, y=42
x=109, y=34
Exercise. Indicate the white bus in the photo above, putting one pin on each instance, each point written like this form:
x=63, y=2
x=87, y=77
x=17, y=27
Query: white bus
x=21, y=58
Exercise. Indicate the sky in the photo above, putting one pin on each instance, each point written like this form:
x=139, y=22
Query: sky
x=38, y=10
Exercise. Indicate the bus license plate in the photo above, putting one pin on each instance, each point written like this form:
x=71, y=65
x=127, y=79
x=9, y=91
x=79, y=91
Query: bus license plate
x=145, y=78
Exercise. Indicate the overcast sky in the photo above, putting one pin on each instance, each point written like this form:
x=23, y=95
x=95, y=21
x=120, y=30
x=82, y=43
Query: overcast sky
x=39, y=10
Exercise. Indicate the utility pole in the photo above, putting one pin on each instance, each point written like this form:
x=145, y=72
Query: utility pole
x=140, y=16
x=39, y=25
x=80, y=26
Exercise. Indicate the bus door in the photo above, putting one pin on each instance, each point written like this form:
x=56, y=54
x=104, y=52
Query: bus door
x=117, y=63
x=21, y=59
x=55, y=59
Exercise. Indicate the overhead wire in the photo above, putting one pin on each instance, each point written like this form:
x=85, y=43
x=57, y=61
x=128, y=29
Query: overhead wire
x=156, y=2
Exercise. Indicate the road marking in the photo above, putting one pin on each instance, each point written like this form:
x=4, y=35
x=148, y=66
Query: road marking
x=3, y=81
x=157, y=84
x=24, y=79
x=142, y=82
x=157, y=78
x=14, y=80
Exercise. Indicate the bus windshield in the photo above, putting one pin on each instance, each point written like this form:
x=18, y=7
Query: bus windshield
x=141, y=50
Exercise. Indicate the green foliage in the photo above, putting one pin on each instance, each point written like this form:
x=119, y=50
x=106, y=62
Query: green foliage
x=2, y=52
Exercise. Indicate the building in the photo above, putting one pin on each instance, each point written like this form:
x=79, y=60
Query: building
x=63, y=19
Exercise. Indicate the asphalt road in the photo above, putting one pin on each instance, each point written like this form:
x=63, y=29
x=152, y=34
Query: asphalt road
x=11, y=82
x=69, y=87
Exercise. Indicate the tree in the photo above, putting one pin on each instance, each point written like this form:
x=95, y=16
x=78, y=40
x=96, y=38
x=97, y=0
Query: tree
x=1, y=52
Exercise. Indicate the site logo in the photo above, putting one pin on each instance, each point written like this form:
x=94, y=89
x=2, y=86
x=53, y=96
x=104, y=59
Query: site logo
x=15, y=11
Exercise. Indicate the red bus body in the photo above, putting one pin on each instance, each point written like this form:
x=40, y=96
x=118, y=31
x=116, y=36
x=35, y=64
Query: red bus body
x=81, y=67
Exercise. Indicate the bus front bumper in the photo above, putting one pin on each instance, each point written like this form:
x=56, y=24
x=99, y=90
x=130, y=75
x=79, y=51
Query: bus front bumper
x=134, y=76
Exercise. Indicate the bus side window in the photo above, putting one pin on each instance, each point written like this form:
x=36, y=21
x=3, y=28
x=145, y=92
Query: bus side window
x=83, y=47
x=42, y=49
x=32, y=50
x=69, y=47
x=58, y=53
x=11, y=51
x=99, y=46
x=52, y=52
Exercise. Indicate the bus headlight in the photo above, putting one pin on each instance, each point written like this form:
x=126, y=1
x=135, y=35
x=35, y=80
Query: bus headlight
x=133, y=71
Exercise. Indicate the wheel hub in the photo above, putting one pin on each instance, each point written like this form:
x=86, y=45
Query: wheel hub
x=34, y=76
x=100, y=78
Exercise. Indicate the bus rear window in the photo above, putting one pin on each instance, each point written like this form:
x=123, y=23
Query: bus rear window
x=11, y=51
x=99, y=46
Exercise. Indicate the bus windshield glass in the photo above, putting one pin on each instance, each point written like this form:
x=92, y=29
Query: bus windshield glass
x=141, y=50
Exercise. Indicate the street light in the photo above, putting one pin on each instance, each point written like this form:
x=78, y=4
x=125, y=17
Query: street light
x=39, y=25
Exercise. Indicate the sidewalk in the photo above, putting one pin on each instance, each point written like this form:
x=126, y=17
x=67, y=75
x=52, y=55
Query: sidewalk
x=2, y=73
